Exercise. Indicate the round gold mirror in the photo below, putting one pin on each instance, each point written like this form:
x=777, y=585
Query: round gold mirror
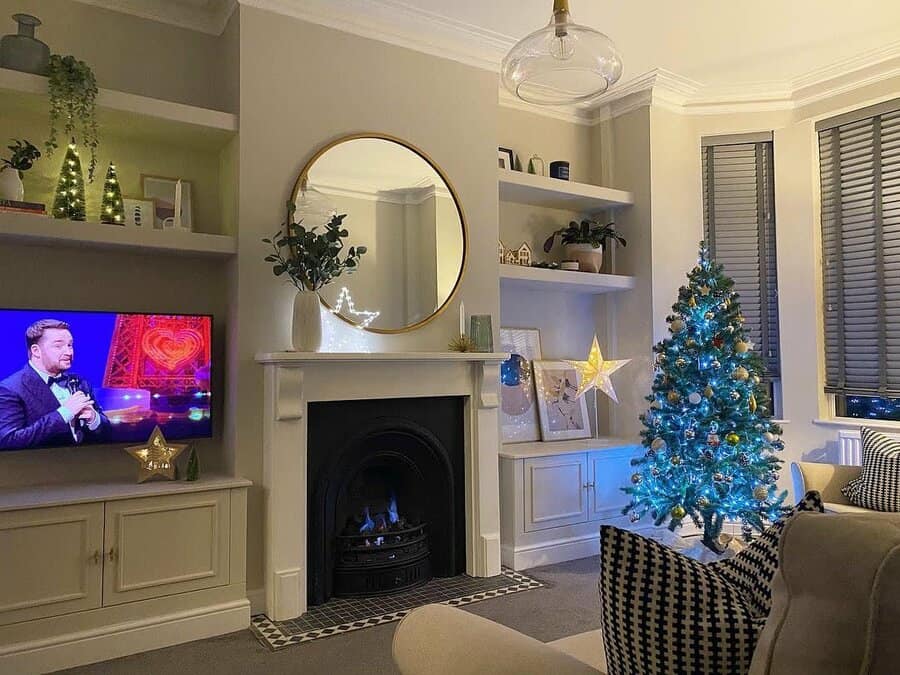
x=403, y=209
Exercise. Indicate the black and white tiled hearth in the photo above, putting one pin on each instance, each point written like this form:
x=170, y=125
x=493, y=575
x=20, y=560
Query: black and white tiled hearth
x=339, y=616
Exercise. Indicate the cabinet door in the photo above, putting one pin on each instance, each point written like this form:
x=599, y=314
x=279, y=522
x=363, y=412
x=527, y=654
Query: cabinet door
x=158, y=546
x=610, y=471
x=50, y=561
x=556, y=491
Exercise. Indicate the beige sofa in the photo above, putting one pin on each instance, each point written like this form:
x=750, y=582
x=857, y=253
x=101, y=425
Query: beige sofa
x=828, y=479
x=836, y=610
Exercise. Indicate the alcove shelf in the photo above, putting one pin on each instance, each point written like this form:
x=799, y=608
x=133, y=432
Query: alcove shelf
x=540, y=279
x=526, y=188
x=127, y=115
x=28, y=228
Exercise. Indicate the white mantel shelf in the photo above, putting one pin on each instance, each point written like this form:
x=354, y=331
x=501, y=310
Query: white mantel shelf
x=288, y=358
x=548, y=448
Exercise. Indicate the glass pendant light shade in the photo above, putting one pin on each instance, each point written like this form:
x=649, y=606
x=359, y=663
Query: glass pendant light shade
x=562, y=63
x=313, y=208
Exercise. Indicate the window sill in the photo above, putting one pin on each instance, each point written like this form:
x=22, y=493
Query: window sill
x=856, y=423
x=780, y=423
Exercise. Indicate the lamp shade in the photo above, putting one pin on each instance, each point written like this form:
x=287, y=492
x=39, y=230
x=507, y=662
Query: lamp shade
x=562, y=63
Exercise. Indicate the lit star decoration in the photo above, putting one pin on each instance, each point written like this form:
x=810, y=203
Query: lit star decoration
x=595, y=372
x=344, y=297
x=157, y=456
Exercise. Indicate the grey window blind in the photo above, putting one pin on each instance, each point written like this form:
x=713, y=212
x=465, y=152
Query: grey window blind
x=739, y=225
x=859, y=156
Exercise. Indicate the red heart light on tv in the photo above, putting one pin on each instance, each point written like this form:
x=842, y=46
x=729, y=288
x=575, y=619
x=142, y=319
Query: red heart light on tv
x=171, y=349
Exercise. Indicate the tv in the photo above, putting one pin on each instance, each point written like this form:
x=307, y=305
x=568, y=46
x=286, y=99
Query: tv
x=70, y=378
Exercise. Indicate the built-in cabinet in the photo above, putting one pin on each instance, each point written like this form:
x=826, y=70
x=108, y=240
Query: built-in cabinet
x=552, y=504
x=126, y=553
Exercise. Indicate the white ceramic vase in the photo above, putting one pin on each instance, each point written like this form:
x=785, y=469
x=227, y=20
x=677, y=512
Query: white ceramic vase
x=11, y=185
x=306, y=329
x=589, y=259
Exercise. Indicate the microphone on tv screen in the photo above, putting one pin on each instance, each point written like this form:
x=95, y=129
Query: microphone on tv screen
x=74, y=384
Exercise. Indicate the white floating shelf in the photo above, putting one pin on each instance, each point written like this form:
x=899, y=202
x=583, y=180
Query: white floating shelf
x=540, y=279
x=526, y=188
x=36, y=229
x=546, y=448
x=127, y=114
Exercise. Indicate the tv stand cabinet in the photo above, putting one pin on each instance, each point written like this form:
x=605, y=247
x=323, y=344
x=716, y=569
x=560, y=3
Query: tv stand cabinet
x=102, y=570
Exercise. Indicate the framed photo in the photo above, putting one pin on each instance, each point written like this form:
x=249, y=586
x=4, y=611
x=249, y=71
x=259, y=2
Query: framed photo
x=518, y=397
x=562, y=416
x=162, y=192
x=506, y=159
x=138, y=213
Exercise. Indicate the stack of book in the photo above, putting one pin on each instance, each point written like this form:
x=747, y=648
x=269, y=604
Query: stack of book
x=22, y=207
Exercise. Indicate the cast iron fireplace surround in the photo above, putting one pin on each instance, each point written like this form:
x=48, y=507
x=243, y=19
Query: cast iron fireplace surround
x=364, y=452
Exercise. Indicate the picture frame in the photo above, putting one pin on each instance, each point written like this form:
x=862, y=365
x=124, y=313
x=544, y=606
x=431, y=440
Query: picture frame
x=562, y=416
x=161, y=190
x=518, y=395
x=139, y=213
x=506, y=158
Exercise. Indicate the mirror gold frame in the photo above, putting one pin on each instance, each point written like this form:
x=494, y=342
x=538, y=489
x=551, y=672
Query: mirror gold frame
x=303, y=177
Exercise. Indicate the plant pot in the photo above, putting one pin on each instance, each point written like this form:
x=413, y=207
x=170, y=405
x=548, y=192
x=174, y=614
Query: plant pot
x=11, y=185
x=589, y=258
x=306, y=329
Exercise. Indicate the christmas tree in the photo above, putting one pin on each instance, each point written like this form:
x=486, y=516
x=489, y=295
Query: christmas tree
x=708, y=436
x=111, y=208
x=69, y=201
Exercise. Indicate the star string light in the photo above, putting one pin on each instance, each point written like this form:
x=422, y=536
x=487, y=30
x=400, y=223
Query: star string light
x=595, y=372
x=344, y=297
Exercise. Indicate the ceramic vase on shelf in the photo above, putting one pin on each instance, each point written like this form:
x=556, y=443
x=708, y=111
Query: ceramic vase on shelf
x=22, y=51
x=306, y=329
x=11, y=185
x=589, y=259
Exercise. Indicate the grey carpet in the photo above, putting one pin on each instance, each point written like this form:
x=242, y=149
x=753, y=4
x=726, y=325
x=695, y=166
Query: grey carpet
x=568, y=605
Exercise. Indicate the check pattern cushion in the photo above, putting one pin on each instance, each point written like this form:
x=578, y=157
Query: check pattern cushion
x=878, y=484
x=663, y=613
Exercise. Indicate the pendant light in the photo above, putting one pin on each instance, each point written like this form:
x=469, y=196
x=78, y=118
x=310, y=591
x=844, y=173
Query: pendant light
x=562, y=63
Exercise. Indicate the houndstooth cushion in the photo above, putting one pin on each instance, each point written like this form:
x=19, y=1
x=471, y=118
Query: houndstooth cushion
x=663, y=613
x=878, y=485
x=751, y=571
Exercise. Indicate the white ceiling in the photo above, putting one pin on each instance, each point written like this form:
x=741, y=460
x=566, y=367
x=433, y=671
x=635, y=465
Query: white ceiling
x=720, y=44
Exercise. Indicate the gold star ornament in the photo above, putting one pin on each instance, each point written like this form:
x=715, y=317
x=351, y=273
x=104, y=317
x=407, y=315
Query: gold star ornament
x=595, y=372
x=157, y=456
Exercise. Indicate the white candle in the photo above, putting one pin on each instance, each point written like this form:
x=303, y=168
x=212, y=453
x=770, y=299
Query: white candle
x=462, y=318
x=178, y=203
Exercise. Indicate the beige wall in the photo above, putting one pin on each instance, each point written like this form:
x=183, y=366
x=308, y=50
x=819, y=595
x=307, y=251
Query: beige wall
x=302, y=86
x=528, y=134
x=131, y=54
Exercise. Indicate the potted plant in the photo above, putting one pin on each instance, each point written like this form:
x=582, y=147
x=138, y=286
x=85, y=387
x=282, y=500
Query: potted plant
x=311, y=260
x=585, y=242
x=23, y=157
x=73, y=98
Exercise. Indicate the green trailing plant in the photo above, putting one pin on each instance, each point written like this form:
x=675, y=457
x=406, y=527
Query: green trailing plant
x=309, y=258
x=73, y=101
x=24, y=154
x=586, y=232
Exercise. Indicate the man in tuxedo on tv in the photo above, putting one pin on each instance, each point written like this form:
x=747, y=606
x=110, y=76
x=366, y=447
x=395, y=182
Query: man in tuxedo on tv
x=44, y=404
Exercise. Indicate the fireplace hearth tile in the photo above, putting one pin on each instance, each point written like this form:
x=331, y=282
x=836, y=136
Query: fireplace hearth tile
x=340, y=616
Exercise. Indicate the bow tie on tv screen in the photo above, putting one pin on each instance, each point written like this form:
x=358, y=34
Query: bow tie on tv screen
x=60, y=380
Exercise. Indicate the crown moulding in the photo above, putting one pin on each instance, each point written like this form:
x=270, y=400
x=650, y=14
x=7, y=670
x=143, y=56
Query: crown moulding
x=400, y=23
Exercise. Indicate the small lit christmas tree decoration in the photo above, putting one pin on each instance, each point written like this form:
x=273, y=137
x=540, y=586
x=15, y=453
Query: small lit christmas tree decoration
x=68, y=201
x=112, y=210
x=708, y=434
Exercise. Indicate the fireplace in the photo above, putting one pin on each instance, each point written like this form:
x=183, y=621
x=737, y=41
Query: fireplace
x=386, y=495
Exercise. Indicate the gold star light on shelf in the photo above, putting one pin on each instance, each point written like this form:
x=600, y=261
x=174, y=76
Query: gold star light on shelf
x=595, y=372
x=157, y=456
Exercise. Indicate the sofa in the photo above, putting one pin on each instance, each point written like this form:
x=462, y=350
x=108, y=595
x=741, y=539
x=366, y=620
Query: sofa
x=835, y=610
x=827, y=479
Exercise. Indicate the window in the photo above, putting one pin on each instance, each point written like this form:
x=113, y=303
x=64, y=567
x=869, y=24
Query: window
x=739, y=226
x=859, y=161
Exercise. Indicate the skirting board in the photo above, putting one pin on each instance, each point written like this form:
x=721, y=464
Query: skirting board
x=110, y=642
x=550, y=552
x=257, y=598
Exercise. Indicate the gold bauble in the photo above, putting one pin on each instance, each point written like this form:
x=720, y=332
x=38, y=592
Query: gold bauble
x=636, y=478
x=658, y=444
x=752, y=403
x=692, y=302
x=740, y=373
x=741, y=347
x=673, y=397
x=677, y=326
x=760, y=492
x=755, y=379
x=708, y=392
x=678, y=512
x=732, y=438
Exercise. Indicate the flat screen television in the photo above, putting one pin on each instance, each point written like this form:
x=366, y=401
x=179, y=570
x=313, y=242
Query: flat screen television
x=71, y=378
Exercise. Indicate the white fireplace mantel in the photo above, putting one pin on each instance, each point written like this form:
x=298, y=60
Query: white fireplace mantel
x=294, y=379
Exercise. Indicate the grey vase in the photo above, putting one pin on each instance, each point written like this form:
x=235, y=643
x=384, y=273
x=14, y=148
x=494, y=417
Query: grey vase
x=23, y=51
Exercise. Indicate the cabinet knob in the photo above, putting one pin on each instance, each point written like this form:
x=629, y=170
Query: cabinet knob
x=588, y=486
x=96, y=558
x=112, y=554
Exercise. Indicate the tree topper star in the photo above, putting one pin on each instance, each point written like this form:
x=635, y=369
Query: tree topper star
x=595, y=372
x=157, y=456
